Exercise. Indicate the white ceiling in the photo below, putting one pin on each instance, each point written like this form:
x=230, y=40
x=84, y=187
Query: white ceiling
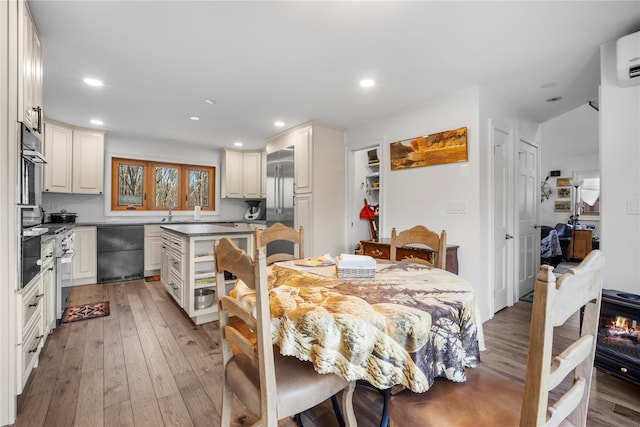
x=295, y=61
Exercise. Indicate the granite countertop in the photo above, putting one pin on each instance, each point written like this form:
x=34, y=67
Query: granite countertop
x=191, y=230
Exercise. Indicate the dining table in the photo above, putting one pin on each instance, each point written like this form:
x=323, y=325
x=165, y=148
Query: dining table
x=403, y=327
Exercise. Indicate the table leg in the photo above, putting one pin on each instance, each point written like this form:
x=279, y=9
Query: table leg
x=384, y=422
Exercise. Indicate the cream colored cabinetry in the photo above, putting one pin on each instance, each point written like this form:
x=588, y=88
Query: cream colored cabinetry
x=58, y=149
x=319, y=174
x=76, y=159
x=263, y=189
x=48, y=273
x=30, y=303
x=175, y=273
x=85, y=262
x=30, y=75
x=189, y=275
x=88, y=162
x=243, y=175
x=152, y=249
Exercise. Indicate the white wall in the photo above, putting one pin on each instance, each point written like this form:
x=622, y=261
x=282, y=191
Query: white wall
x=420, y=195
x=620, y=177
x=570, y=145
x=91, y=208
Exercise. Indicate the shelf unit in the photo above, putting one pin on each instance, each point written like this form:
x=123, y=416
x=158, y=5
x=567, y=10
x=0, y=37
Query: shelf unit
x=372, y=183
x=192, y=267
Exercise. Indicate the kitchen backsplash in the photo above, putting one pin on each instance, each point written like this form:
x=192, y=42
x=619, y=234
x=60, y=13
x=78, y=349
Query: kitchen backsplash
x=90, y=208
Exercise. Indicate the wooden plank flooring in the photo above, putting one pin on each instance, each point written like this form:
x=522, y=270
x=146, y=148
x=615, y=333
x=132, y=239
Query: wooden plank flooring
x=147, y=364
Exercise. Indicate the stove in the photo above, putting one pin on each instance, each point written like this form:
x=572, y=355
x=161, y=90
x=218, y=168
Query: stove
x=63, y=251
x=618, y=345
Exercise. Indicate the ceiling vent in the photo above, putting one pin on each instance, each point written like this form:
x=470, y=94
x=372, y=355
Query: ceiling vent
x=628, y=59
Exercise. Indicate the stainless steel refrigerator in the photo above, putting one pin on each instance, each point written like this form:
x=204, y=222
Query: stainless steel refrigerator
x=280, y=195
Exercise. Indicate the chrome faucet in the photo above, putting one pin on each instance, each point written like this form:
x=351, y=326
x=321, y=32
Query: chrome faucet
x=170, y=207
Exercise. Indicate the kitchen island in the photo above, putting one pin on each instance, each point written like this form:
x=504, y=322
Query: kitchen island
x=188, y=266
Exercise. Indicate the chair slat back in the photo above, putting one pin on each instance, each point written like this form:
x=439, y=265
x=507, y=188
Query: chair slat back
x=254, y=274
x=280, y=232
x=421, y=235
x=554, y=302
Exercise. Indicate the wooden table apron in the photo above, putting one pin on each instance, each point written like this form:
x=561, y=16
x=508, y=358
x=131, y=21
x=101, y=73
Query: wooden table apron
x=408, y=325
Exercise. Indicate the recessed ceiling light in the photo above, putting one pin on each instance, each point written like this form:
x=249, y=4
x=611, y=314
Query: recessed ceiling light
x=554, y=99
x=278, y=123
x=238, y=144
x=97, y=122
x=548, y=85
x=367, y=83
x=93, y=82
x=194, y=118
x=210, y=101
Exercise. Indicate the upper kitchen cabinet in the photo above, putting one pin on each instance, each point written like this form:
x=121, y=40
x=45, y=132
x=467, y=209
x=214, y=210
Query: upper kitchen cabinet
x=30, y=74
x=319, y=184
x=243, y=175
x=76, y=159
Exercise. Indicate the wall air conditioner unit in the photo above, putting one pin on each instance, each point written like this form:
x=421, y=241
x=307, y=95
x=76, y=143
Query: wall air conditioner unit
x=628, y=59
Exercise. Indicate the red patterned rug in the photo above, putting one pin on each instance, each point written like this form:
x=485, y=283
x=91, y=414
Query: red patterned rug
x=86, y=311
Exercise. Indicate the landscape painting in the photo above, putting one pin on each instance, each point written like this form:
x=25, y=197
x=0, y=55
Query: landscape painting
x=444, y=147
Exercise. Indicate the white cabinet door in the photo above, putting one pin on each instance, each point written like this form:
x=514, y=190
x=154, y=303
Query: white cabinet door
x=263, y=175
x=58, y=149
x=152, y=249
x=304, y=217
x=252, y=164
x=88, y=162
x=303, y=160
x=30, y=75
x=49, y=289
x=85, y=261
x=233, y=185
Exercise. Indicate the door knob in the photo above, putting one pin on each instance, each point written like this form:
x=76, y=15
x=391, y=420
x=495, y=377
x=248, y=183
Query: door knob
x=508, y=236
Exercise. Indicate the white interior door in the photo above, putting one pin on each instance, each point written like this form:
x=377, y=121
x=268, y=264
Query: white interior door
x=502, y=138
x=528, y=214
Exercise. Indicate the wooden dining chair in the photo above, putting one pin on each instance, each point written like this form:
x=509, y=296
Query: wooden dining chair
x=268, y=384
x=420, y=235
x=279, y=232
x=556, y=388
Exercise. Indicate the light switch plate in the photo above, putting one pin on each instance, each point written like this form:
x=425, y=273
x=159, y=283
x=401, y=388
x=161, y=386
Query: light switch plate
x=457, y=207
x=633, y=206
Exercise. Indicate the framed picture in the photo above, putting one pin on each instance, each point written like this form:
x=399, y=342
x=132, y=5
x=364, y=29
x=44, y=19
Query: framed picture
x=564, y=192
x=562, y=206
x=563, y=182
x=443, y=147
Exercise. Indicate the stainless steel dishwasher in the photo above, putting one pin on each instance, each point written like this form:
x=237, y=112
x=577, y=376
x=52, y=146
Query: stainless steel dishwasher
x=120, y=253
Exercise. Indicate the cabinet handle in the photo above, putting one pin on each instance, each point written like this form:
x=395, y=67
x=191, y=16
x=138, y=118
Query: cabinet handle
x=376, y=252
x=39, y=337
x=35, y=304
x=50, y=269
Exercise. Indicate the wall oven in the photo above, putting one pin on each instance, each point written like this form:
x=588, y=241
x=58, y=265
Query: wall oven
x=30, y=244
x=31, y=160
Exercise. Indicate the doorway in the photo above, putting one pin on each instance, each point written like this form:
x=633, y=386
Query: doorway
x=365, y=185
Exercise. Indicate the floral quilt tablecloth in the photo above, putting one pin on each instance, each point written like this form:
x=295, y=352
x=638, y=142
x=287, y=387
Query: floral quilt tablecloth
x=408, y=325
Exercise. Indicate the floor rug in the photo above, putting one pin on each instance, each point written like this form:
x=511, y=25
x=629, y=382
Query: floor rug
x=528, y=297
x=85, y=312
x=152, y=278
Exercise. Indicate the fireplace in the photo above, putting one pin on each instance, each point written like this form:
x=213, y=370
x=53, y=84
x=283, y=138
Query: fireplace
x=618, y=346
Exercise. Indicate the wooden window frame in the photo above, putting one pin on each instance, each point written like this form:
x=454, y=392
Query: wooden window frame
x=149, y=190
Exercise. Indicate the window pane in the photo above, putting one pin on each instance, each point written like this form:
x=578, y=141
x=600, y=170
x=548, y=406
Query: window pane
x=198, y=188
x=130, y=185
x=166, y=182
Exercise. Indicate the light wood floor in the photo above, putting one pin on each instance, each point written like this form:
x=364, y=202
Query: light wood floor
x=148, y=365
